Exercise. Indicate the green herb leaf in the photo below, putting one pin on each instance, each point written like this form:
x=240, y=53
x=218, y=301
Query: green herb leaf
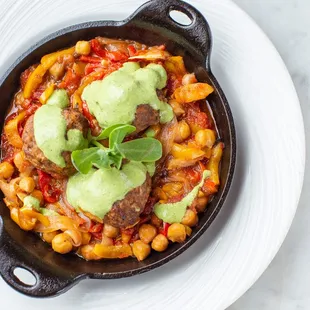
x=106, y=132
x=116, y=160
x=83, y=160
x=144, y=149
x=118, y=134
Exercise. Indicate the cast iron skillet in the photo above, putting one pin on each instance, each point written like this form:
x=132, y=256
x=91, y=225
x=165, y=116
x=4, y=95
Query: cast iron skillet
x=152, y=25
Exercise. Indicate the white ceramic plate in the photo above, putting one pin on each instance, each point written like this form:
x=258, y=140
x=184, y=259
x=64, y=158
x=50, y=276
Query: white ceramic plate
x=246, y=235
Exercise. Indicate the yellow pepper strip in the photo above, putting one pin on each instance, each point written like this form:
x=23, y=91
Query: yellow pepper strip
x=213, y=164
x=24, y=222
x=47, y=93
x=11, y=131
x=192, y=92
x=48, y=60
x=76, y=97
x=28, y=212
x=188, y=230
x=175, y=64
x=36, y=77
x=184, y=152
x=34, y=80
x=112, y=251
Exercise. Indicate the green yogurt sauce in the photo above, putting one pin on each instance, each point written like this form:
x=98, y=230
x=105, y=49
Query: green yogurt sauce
x=114, y=99
x=30, y=201
x=96, y=191
x=50, y=129
x=174, y=212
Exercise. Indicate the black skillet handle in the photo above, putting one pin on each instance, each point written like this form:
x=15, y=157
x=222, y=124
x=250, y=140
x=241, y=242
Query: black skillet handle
x=47, y=284
x=198, y=32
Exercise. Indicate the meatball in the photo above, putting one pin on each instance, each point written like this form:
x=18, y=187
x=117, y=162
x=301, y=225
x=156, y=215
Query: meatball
x=126, y=212
x=75, y=120
x=145, y=116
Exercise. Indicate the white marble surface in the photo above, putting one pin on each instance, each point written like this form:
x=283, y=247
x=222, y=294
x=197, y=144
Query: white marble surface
x=285, y=285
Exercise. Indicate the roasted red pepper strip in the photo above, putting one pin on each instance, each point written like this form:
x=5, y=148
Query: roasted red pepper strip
x=132, y=50
x=97, y=49
x=91, y=67
x=90, y=59
x=31, y=108
x=50, y=195
x=88, y=115
x=164, y=229
x=96, y=228
x=116, y=56
x=101, y=52
x=71, y=81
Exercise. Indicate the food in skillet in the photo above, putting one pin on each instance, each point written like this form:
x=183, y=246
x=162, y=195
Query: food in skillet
x=109, y=150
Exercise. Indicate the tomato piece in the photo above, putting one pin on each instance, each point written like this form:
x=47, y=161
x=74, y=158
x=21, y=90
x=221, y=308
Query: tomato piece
x=97, y=49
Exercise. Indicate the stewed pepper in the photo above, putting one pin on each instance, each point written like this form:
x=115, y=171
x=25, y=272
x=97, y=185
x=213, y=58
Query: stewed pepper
x=50, y=193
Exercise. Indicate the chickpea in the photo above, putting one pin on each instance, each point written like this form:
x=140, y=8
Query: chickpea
x=201, y=204
x=49, y=236
x=189, y=78
x=155, y=220
x=27, y=184
x=126, y=238
x=85, y=238
x=6, y=170
x=183, y=131
x=110, y=231
x=82, y=47
x=141, y=250
x=190, y=218
x=160, y=243
x=205, y=137
x=57, y=70
x=176, y=232
x=147, y=233
x=19, y=160
x=38, y=195
x=62, y=243
x=22, y=164
x=106, y=240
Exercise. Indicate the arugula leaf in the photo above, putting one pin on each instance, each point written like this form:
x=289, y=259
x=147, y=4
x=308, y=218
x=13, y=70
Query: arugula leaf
x=83, y=160
x=106, y=132
x=118, y=134
x=144, y=149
